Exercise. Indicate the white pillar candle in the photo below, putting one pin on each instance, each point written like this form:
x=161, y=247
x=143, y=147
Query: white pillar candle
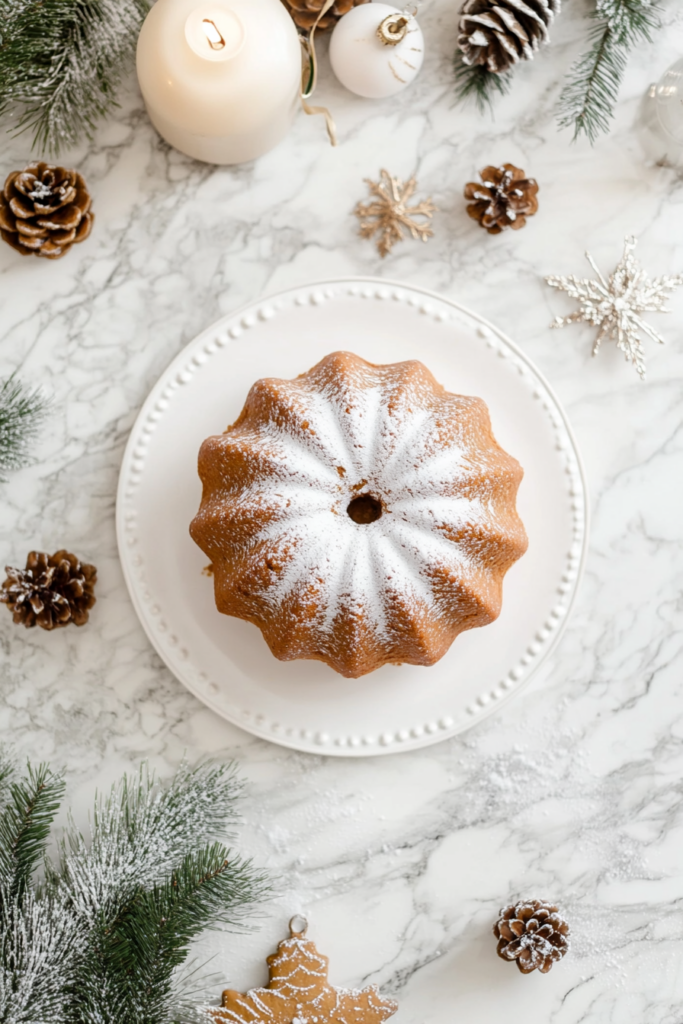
x=221, y=80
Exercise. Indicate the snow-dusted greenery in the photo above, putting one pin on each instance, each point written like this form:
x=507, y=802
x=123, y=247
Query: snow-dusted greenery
x=591, y=89
x=98, y=933
x=22, y=411
x=593, y=83
x=61, y=62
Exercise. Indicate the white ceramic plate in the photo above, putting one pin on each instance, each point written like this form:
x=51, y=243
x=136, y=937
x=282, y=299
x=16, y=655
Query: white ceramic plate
x=225, y=661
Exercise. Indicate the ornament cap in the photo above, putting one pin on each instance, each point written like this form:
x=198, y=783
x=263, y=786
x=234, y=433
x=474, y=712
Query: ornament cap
x=298, y=932
x=392, y=29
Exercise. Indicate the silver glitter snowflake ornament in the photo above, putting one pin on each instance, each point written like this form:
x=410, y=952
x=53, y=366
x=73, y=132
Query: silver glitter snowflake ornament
x=615, y=306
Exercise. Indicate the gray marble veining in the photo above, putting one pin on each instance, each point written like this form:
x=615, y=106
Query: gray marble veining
x=574, y=790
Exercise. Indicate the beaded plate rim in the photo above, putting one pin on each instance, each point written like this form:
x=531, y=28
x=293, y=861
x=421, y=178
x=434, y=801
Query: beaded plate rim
x=170, y=647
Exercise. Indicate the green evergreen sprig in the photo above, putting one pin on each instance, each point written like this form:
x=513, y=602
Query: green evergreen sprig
x=37, y=940
x=61, y=62
x=25, y=827
x=104, y=936
x=153, y=935
x=38, y=947
x=22, y=411
x=593, y=84
x=7, y=771
x=475, y=81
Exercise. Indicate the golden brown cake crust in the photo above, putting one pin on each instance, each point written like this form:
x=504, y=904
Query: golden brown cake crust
x=359, y=514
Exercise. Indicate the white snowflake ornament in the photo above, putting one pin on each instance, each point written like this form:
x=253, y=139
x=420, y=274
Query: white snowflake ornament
x=614, y=306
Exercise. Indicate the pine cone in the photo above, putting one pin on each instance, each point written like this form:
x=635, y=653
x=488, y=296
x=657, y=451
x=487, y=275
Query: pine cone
x=305, y=12
x=499, y=33
x=44, y=210
x=533, y=933
x=52, y=591
x=503, y=199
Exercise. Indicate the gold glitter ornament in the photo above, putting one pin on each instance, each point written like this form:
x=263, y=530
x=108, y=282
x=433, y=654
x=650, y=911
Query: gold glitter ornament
x=298, y=992
x=388, y=212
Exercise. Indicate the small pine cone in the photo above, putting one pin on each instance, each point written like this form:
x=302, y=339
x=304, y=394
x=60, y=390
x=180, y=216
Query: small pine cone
x=305, y=12
x=44, y=210
x=503, y=199
x=52, y=591
x=533, y=934
x=499, y=33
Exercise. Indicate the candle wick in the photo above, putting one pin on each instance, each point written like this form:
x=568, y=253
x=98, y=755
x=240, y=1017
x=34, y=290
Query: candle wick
x=214, y=38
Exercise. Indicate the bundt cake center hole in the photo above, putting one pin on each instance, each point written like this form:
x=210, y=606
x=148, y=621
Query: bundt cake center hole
x=364, y=509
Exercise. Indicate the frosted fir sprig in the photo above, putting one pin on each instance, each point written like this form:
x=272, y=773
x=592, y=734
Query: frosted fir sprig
x=593, y=82
x=37, y=937
x=476, y=82
x=105, y=937
x=38, y=958
x=22, y=412
x=30, y=808
x=141, y=828
x=591, y=88
x=7, y=772
x=61, y=62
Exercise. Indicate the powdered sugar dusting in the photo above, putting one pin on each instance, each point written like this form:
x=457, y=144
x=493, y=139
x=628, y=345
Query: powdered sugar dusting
x=288, y=468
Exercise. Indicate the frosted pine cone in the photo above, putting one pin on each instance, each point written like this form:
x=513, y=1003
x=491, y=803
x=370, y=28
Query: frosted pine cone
x=499, y=33
x=44, y=210
x=503, y=199
x=305, y=12
x=52, y=591
x=533, y=934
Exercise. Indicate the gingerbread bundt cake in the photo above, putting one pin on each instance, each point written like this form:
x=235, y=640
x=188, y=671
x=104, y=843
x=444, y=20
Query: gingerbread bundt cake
x=359, y=514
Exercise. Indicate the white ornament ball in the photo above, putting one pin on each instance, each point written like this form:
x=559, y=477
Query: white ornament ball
x=366, y=65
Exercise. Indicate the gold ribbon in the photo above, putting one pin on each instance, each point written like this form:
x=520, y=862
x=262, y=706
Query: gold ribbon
x=309, y=75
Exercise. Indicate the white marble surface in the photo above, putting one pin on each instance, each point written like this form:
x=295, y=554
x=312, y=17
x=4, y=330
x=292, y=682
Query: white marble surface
x=574, y=791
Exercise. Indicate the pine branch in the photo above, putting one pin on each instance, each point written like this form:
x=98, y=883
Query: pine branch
x=7, y=772
x=142, y=949
x=140, y=831
x=61, y=62
x=594, y=80
x=38, y=945
x=37, y=939
x=101, y=941
x=22, y=411
x=475, y=81
x=25, y=827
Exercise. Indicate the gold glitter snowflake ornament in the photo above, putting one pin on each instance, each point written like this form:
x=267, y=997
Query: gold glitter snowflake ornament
x=615, y=306
x=388, y=212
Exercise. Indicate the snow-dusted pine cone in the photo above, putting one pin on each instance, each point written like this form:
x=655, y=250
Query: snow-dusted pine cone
x=305, y=12
x=499, y=33
x=44, y=210
x=504, y=198
x=52, y=591
x=533, y=934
